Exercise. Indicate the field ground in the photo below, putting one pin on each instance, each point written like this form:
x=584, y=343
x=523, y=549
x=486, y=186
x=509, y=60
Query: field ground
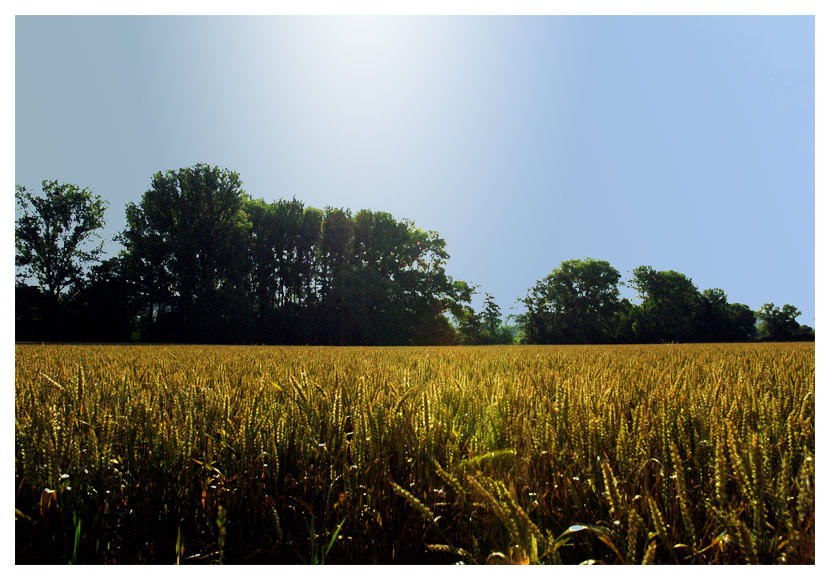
x=616, y=454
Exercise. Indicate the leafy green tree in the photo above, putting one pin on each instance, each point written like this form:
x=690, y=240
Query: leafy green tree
x=806, y=333
x=713, y=314
x=373, y=300
x=333, y=320
x=484, y=327
x=335, y=246
x=427, y=292
x=778, y=324
x=282, y=241
x=742, y=322
x=381, y=242
x=185, y=246
x=491, y=316
x=669, y=308
x=720, y=321
x=56, y=235
x=289, y=218
x=375, y=280
x=261, y=258
x=468, y=324
x=400, y=291
x=579, y=302
x=311, y=230
x=146, y=256
x=262, y=271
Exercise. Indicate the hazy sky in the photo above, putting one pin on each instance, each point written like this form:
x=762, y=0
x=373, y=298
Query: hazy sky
x=683, y=143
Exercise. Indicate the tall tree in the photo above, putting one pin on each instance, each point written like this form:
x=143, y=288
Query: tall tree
x=186, y=242
x=427, y=292
x=335, y=247
x=311, y=231
x=382, y=281
x=282, y=242
x=713, y=315
x=262, y=274
x=146, y=265
x=669, y=308
x=720, y=321
x=332, y=317
x=483, y=327
x=491, y=316
x=579, y=302
x=778, y=324
x=743, y=322
x=56, y=235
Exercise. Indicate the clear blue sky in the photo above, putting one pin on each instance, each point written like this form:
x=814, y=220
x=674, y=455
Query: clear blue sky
x=683, y=143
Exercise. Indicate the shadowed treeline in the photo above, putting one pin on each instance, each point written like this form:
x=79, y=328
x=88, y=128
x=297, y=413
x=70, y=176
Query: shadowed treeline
x=204, y=262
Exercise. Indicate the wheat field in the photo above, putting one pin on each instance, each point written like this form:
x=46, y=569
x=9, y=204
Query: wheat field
x=296, y=455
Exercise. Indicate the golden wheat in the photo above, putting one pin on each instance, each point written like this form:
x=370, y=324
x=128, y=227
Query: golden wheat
x=674, y=453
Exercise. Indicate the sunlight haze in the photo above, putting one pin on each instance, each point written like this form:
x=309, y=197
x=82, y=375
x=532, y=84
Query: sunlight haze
x=683, y=143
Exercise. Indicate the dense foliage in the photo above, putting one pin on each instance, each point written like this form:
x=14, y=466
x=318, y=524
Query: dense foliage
x=580, y=303
x=204, y=262
x=616, y=454
x=52, y=232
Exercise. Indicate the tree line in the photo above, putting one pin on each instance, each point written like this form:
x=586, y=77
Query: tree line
x=580, y=303
x=203, y=262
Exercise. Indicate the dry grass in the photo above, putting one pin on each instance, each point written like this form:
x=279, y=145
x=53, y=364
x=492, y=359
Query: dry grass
x=629, y=454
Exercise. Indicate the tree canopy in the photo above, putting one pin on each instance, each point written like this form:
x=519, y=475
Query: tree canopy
x=210, y=263
x=780, y=324
x=185, y=250
x=203, y=261
x=669, y=309
x=53, y=232
x=485, y=327
x=579, y=302
x=56, y=243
